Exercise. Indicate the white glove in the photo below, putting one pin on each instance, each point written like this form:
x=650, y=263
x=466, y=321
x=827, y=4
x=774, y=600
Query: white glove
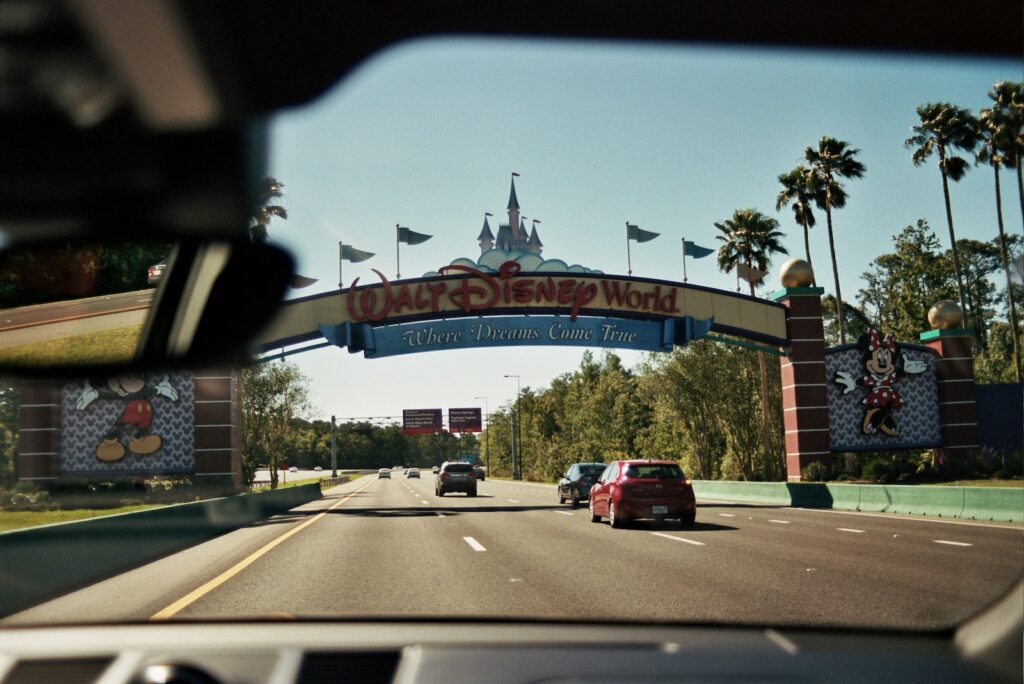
x=164, y=389
x=846, y=380
x=88, y=396
x=915, y=367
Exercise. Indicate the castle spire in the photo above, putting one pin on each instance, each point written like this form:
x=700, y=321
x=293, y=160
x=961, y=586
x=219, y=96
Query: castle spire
x=513, y=212
x=534, y=244
x=486, y=237
x=513, y=201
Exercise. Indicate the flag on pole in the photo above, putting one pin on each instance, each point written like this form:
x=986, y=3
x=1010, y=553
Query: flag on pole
x=411, y=237
x=350, y=253
x=515, y=174
x=640, y=235
x=695, y=251
x=751, y=275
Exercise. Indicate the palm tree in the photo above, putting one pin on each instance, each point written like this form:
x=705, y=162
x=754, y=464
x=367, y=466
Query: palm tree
x=750, y=238
x=945, y=128
x=271, y=190
x=997, y=143
x=834, y=159
x=800, y=187
x=1008, y=99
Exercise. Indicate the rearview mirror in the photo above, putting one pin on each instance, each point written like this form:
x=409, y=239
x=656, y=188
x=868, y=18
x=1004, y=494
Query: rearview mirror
x=72, y=306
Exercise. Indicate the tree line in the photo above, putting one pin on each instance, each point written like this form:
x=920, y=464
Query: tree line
x=277, y=431
x=955, y=138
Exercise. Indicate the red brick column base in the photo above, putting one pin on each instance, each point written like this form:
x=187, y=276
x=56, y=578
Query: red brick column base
x=804, y=389
x=957, y=411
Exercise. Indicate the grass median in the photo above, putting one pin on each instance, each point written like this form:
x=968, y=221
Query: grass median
x=14, y=520
x=116, y=345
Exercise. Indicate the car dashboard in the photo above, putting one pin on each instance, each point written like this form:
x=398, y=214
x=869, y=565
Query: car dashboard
x=280, y=652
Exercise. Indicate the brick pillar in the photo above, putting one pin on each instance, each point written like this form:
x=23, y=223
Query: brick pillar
x=217, y=458
x=957, y=411
x=804, y=389
x=38, y=456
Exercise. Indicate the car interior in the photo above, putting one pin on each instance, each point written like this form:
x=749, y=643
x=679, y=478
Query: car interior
x=128, y=120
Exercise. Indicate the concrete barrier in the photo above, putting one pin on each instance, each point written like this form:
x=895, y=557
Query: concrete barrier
x=978, y=503
x=39, y=563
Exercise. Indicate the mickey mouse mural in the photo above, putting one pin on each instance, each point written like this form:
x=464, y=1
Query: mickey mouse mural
x=132, y=430
x=884, y=365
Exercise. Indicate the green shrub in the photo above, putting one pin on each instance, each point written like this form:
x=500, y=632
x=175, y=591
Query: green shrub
x=878, y=470
x=816, y=472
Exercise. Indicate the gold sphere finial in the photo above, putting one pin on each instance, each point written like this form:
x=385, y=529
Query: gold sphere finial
x=945, y=314
x=796, y=273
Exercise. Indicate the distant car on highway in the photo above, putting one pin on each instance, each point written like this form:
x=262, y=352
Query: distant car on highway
x=480, y=474
x=317, y=469
x=627, y=490
x=384, y=473
x=579, y=478
x=413, y=472
x=155, y=273
x=455, y=477
x=293, y=469
x=435, y=470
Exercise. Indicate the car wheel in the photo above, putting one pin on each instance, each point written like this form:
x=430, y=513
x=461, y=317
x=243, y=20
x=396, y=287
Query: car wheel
x=575, y=500
x=614, y=520
x=439, y=492
x=593, y=516
x=472, y=492
x=561, y=499
x=686, y=522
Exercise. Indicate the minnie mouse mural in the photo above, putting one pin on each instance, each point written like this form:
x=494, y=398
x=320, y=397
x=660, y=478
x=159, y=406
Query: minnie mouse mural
x=884, y=365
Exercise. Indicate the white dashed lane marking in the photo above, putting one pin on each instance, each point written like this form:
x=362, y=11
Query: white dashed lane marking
x=951, y=543
x=850, y=529
x=779, y=522
x=564, y=512
x=727, y=515
x=513, y=500
x=678, y=539
x=474, y=544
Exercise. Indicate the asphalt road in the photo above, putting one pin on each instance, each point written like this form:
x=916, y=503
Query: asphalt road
x=390, y=547
x=39, y=314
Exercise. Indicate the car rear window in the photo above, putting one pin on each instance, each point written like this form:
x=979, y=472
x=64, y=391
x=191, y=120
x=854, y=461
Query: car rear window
x=594, y=470
x=458, y=468
x=662, y=471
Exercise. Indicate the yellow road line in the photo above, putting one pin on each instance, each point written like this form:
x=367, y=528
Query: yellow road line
x=195, y=595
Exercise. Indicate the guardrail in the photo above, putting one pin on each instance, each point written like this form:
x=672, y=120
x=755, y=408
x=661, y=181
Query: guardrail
x=39, y=563
x=977, y=503
x=329, y=482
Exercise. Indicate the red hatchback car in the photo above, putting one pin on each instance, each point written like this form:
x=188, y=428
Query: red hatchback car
x=628, y=490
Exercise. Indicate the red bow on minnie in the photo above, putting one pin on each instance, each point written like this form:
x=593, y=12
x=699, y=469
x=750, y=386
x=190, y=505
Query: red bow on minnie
x=878, y=342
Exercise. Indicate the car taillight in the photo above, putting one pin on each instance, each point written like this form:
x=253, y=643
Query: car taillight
x=444, y=476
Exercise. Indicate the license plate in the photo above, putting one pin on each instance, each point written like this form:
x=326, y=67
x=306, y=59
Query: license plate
x=659, y=510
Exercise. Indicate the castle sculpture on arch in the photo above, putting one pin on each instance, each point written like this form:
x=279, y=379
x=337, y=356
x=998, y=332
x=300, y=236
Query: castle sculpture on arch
x=512, y=236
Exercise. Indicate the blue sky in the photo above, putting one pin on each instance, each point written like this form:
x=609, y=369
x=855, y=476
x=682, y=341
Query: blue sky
x=672, y=139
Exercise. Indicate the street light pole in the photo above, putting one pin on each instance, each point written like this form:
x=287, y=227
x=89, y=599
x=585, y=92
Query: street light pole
x=517, y=437
x=334, y=450
x=487, y=433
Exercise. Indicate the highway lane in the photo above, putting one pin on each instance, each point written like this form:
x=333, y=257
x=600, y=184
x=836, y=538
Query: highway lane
x=38, y=314
x=390, y=547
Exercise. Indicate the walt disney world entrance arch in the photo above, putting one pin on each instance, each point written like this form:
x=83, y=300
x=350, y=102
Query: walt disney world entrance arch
x=839, y=399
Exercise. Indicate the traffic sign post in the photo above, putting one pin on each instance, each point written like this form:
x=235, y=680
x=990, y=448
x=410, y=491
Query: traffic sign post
x=334, y=450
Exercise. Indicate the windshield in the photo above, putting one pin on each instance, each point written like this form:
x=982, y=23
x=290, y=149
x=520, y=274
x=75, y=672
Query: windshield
x=531, y=254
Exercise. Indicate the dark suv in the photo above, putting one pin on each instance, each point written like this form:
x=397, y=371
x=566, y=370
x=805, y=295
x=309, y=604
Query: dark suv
x=455, y=477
